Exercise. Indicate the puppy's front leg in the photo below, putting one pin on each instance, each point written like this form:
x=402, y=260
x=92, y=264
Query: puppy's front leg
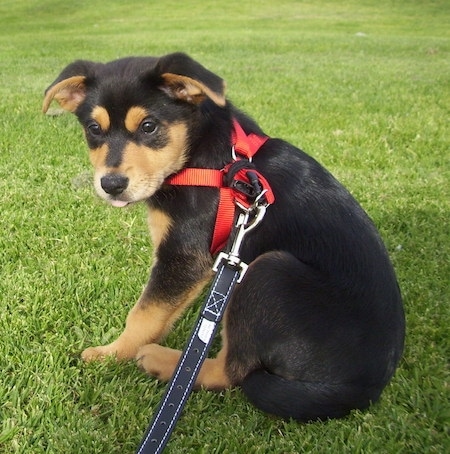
x=148, y=321
x=160, y=305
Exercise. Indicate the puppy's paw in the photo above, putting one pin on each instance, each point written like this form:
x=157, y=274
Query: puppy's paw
x=97, y=353
x=157, y=361
x=145, y=359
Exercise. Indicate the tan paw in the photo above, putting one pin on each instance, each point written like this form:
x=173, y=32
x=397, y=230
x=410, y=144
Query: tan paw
x=97, y=353
x=160, y=362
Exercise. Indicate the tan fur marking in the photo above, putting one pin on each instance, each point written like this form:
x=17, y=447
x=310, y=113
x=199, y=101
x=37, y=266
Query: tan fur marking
x=191, y=90
x=213, y=372
x=134, y=118
x=101, y=116
x=158, y=361
x=97, y=156
x=159, y=224
x=69, y=93
x=161, y=362
x=147, y=322
x=161, y=162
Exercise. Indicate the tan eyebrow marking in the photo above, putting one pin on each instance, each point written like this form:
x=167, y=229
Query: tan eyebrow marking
x=134, y=118
x=101, y=116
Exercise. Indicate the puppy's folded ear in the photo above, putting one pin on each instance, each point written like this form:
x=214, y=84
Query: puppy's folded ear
x=184, y=78
x=69, y=88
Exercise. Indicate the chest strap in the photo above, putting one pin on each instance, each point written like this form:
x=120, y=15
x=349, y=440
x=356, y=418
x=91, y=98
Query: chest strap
x=238, y=182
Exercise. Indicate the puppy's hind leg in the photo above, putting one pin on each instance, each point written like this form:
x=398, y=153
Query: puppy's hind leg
x=161, y=363
x=290, y=345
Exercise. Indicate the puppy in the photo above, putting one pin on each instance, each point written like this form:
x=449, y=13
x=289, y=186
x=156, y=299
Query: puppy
x=316, y=327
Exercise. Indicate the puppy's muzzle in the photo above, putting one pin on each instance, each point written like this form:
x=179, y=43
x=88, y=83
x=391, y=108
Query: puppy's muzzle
x=114, y=184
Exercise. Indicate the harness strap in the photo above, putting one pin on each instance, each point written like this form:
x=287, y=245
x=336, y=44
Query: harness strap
x=224, y=220
x=197, y=177
x=245, y=146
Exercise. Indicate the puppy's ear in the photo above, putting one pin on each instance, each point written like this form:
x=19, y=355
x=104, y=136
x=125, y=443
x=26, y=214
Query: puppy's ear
x=184, y=78
x=69, y=88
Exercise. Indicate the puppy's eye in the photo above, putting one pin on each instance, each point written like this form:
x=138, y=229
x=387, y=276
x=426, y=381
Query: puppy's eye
x=94, y=129
x=149, y=126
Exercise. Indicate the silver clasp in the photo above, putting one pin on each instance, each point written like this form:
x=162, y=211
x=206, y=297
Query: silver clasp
x=235, y=157
x=247, y=220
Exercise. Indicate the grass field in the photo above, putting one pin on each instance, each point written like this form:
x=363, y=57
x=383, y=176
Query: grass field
x=363, y=86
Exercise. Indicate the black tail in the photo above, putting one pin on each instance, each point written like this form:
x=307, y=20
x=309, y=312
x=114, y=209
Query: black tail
x=304, y=401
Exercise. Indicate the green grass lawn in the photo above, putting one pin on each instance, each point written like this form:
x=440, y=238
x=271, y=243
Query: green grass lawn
x=363, y=86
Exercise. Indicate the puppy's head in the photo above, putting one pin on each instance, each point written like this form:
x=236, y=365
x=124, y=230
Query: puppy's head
x=137, y=114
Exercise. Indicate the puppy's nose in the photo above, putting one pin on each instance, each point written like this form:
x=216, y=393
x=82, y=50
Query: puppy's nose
x=114, y=183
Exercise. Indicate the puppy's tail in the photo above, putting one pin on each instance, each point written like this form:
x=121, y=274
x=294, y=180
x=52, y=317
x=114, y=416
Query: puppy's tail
x=304, y=401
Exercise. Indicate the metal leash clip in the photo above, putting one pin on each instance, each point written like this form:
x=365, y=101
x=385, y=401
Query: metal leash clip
x=247, y=220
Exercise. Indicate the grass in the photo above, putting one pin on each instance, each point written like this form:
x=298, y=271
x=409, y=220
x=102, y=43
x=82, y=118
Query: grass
x=362, y=86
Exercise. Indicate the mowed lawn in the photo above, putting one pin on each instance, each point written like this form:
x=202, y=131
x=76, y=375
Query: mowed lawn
x=363, y=86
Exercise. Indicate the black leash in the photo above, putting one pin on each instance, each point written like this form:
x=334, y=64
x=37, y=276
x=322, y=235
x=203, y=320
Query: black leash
x=229, y=271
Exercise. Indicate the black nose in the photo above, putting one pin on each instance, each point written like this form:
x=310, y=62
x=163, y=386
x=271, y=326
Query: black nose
x=114, y=183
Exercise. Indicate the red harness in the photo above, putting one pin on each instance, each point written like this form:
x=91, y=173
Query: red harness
x=244, y=147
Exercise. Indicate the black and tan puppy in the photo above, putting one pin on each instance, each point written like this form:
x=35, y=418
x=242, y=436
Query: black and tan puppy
x=316, y=328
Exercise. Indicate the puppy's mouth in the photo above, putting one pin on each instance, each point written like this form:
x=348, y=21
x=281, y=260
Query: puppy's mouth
x=118, y=203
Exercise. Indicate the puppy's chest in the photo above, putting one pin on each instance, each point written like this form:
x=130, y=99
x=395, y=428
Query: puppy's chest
x=159, y=224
